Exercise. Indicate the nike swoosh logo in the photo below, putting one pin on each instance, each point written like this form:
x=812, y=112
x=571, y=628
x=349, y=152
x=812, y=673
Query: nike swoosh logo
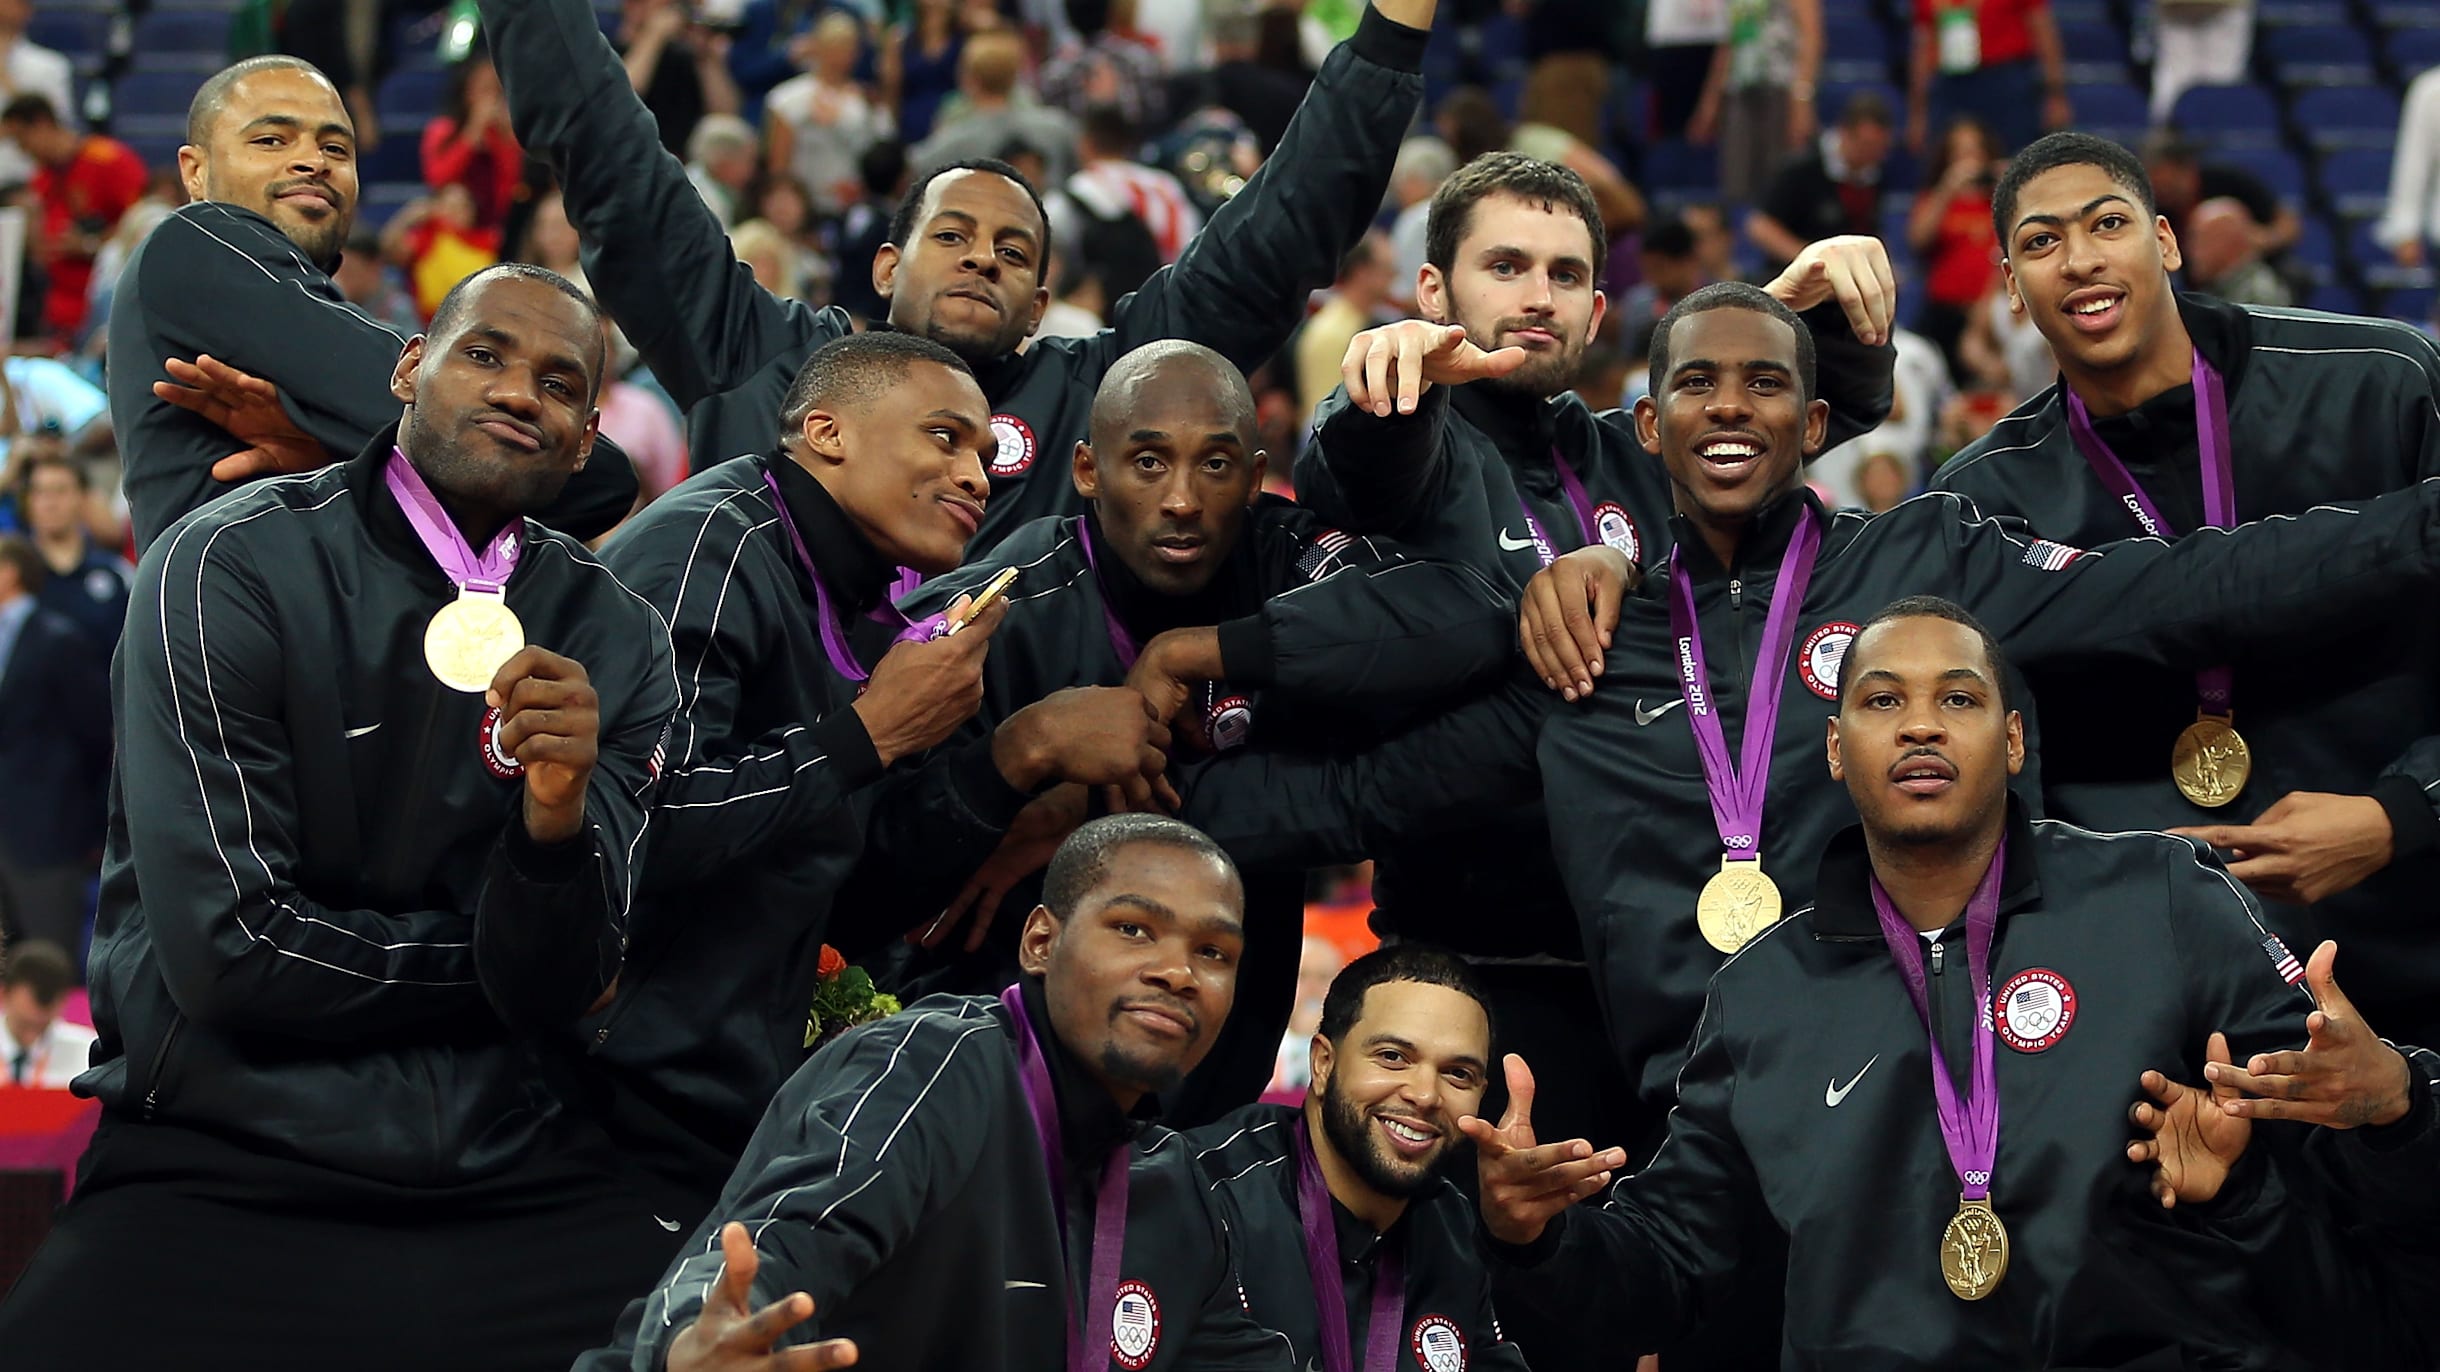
x=1644, y=716
x=1833, y=1093
x=1510, y=543
x=359, y=733
x=1026, y=1286
x=670, y=1225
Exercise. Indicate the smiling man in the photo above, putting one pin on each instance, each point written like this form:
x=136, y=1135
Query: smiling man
x=242, y=275
x=2179, y=412
x=370, y=838
x=1962, y=977
x=971, y=1185
x=1347, y=1234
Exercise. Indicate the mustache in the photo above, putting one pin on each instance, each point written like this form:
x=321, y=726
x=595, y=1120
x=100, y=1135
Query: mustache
x=1167, y=1005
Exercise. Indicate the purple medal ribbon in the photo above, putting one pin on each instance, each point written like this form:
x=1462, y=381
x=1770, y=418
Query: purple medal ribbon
x=1737, y=791
x=1969, y=1128
x=484, y=572
x=1121, y=642
x=1092, y=1352
x=1329, y=1288
x=834, y=634
x=1577, y=499
x=2212, y=684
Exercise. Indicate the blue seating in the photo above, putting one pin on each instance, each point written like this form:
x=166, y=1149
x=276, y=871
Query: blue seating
x=160, y=93
x=2413, y=50
x=411, y=97
x=2412, y=304
x=2228, y=115
x=2095, y=52
x=1859, y=44
x=2277, y=167
x=2356, y=179
x=2111, y=109
x=2347, y=116
x=2336, y=299
x=191, y=31
x=2317, y=247
x=77, y=33
x=2319, y=55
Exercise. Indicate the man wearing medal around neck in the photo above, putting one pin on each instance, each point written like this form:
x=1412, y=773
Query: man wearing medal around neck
x=2315, y=771
x=1923, y=1077
x=1242, y=616
x=803, y=686
x=1349, y=1238
x=972, y=1184
x=359, y=865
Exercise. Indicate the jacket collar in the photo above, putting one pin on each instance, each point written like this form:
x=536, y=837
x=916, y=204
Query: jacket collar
x=996, y=375
x=1764, y=544
x=2223, y=334
x=1090, y=1122
x=851, y=567
x=1523, y=427
x=1842, y=889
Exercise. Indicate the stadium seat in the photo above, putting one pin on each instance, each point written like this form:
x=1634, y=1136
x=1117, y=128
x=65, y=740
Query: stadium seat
x=2406, y=14
x=2317, y=247
x=2277, y=167
x=2111, y=109
x=2269, y=14
x=197, y=31
x=2356, y=179
x=2311, y=55
x=2412, y=304
x=2228, y=116
x=411, y=97
x=2095, y=52
x=2336, y=299
x=1863, y=45
x=2413, y=50
x=164, y=94
x=2347, y=116
x=77, y=33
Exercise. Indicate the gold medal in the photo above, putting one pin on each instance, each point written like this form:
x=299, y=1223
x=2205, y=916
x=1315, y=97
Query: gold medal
x=1737, y=905
x=469, y=640
x=1974, y=1250
x=2210, y=763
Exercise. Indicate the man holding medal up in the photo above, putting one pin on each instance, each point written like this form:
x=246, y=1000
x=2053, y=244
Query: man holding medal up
x=971, y=1185
x=2173, y=413
x=385, y=746
x=1349, y=1239
x=1923, y=1078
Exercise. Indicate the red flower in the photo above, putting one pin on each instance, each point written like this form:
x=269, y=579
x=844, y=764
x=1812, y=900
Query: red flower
x=832, y=963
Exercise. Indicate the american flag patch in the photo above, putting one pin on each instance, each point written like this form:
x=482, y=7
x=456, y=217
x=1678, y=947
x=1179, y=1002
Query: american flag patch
x=1330, y=544
x=2049, y=556
x=2290, y=970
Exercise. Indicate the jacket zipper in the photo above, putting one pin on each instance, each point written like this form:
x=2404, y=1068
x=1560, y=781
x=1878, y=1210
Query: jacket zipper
x=423, y=762
x=1736, y=593
x=152, y=1091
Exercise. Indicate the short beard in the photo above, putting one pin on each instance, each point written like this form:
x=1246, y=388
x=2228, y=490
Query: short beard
x=1350, y=1133
x=1542, y=376
x=971, y=351
x=1152, y=1078
x=495, y=486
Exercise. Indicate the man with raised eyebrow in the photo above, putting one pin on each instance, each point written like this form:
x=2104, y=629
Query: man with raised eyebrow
x=2176, y=413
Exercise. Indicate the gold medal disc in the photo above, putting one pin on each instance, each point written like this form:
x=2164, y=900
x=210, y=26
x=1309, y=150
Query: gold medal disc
x=469, y=640
x=1736, y=906
x=1974, y=1250
x=2210, y=763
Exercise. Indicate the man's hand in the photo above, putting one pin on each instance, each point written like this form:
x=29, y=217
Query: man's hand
x=731, y=1336
x=1851, y=268
x=2190, y=1141
x=1169, y=662
x=1523, y=1184
x=249, y=408
x=920, y=692
x=2343, y=1077
x=1568, y=612
x=550, y=721
x=1024, y=850
x=1395, y=364
x=1096, y=735
x=2309, y=846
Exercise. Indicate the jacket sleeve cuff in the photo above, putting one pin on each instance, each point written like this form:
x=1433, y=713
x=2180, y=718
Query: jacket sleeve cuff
x=1528, y=1255
x=1246, y=655
x=842, y=738
x=2414, y=826
x=1385, y=42
x=544, y=864
x=2415, y=1124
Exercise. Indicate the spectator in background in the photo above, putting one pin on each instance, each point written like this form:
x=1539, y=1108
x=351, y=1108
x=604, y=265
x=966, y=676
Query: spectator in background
x=1833, y=190
x=551, y=241
x=682, y=75
x=1077, y=304
x=163, y=192
x=2223, y=256
x=84, y=183
x=2197, y=43
x=919, y=65
x=722, y=158
x=1473, y=125
x=1098, y=261
x=1998, y=60
x=1261, y=94
x=1353, y=305
x=770, y=255
x=1423, y=163
x=437, y=242
x=2182, y=180
x=1715, y=243
x=1679, y=40
x=866, y=226
x=1101, y=63
x=469, y=143
x=1920, y=389
x=371, y=286
x=2410, y=226
x=1950, y=231
x=41, y=396
x=640, y=420
x=988, y=115
x=45, y=1052
x=343, y=39
x=1672, y=269
x=1316, y=968
x=1758, y=100
x=817, y=125
x=773, y=43
x=27, y=68
x=1884, y=479
x=1111, y=182
x=54, y=756
x=85, y=582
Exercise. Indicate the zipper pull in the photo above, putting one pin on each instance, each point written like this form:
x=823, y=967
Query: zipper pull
x=1937, y=945
x=1736, y=592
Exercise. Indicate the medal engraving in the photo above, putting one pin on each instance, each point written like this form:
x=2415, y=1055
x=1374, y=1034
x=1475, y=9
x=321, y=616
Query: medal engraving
x=2211, y=762
x=1973, y=1250
x=469, y=640
x=1736, y=906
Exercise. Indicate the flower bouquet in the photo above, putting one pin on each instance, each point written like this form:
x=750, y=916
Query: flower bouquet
x=843, y=997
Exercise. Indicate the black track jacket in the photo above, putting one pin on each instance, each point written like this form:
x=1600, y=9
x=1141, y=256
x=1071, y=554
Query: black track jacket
x=727, y=349
x=2321, y=407
x=323, y=929
x=1808, y=1094
x=898, y=1180
x=1249, y=1161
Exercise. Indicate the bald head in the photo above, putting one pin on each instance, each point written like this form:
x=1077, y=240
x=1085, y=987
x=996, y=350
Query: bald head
x=1171, y=366
x=2219, y=238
